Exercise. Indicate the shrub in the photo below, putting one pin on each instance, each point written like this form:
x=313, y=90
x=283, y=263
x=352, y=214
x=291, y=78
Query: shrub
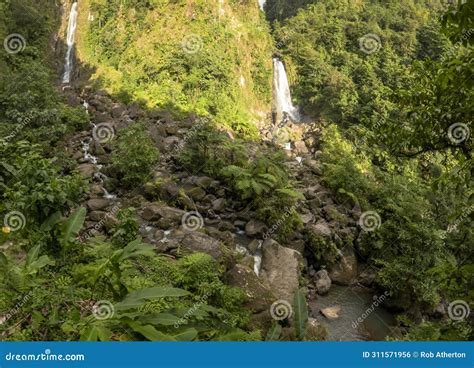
x=134, y=155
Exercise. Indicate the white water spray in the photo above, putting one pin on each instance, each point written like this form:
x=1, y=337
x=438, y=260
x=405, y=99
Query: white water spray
x=71, y=33
x=261, y=3
x=281, y=93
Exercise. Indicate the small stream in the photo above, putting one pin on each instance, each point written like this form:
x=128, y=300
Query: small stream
x=355, y=303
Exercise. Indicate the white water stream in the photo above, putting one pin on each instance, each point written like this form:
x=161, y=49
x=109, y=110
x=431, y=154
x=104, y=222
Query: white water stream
x=281, y=93
x=261, y=3
x=71, y=33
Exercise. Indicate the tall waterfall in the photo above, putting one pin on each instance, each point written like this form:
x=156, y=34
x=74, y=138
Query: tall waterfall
x=261, y=3
x=71, y=33
x=282, y=104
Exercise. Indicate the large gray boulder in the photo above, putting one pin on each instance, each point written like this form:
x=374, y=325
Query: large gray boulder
x=322, y=282
x=199, y=242
x=281, y=269
x=258, y=296
x=345, y=271
x=156, y=211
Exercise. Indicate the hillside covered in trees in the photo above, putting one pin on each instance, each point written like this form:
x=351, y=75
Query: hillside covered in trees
x=159, y=182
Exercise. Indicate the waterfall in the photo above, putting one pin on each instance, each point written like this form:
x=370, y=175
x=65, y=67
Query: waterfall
x=261, y=3
x=281, y=94
x=71, y=32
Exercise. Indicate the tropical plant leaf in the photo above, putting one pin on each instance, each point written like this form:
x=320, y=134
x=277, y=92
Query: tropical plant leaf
x=186, y=335
x=73, y=225
x=301, y=314
x=150, y=332
x=274, y=332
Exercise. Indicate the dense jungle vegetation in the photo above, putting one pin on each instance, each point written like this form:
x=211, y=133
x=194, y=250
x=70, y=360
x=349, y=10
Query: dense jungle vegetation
x=386, y=108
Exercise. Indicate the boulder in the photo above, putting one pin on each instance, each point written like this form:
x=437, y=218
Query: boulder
x=254, y=228
x=97, y=215
x=253, y=246
x=96, y=204
x=345, y=271
x=196, y=193
x=204, y=182
x=117, y=110
x=258, y=296
x=331, y=312
x=322, y=282
x=321, y=229
x=314, y=166
x=199, y=242
x=86, y=170
x=298, y=245
x=300, y=147
x=218, y=205
x=155, y=211
x=281, y=269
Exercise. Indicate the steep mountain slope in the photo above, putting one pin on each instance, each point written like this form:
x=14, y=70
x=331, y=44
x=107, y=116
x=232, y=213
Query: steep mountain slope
x=212, y=58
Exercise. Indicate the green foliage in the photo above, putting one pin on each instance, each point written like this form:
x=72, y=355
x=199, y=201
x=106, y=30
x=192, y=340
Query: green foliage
x=134, y=155
x=255, y=174
x=32, y=184
x=183, y=58
x=127, y=227
x=274, y=332
x=301, y=314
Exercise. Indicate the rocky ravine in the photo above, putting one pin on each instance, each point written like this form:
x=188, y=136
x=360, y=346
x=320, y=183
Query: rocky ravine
x=283, y=268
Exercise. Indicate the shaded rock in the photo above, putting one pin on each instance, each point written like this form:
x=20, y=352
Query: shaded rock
x=345, y=271
x=253, y=246
x=307, y=218
x=117, y=110
x=199, y=242
x=218, y=205
x=300, y=147
x=95, y=204
x=331, y=312
x=204, y=182
x=258, y=296
x=254, y=228
x=196, y=193
x=86, y=170
x=280, y=267
x=154, y=211
x=321, y=229
x=297, y=245
x=97, y=215
x=102, y=117
x=314, y=166
x=367, y=277
x=322, y=282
